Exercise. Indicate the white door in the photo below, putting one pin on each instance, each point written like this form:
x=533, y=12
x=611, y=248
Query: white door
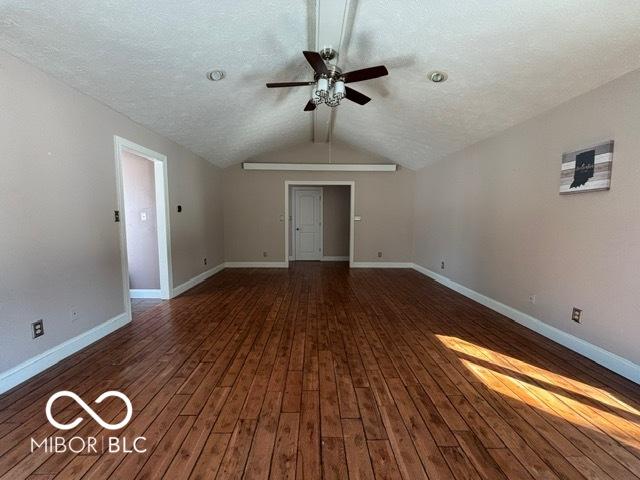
x=308, y=223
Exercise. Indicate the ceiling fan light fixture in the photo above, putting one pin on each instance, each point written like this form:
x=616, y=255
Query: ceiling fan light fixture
x=437, y=76
x=332, y=101
x=339, y=89
x=316, y=99
x=322, y=87
x=330, y=82
x=328, y=91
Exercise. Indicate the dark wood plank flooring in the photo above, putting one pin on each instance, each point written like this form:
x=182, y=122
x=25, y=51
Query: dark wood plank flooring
x=324, y=372
x=141, y=305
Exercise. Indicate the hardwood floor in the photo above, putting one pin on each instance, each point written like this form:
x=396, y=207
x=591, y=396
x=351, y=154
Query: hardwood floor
x=141, y=305
x=323, y=372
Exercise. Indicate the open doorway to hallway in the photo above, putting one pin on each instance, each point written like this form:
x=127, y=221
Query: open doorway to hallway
x=141, y=225
x=319, y=221
x=144, y=220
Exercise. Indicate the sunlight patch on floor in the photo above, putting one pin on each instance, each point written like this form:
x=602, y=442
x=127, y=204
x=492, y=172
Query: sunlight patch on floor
x=536, y=373
x=560, y=406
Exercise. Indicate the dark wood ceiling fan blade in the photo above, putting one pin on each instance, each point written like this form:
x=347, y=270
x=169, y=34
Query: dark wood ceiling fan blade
x=309, y=106
x=355, y=96
x=316, y=62
x=288, y=84
x=365, y=74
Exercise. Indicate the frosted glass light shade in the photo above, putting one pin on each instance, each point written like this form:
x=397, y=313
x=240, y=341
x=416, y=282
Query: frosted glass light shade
x=323, y=87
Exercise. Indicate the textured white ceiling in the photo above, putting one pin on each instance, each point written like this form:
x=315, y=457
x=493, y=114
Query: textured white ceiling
x=507, y=61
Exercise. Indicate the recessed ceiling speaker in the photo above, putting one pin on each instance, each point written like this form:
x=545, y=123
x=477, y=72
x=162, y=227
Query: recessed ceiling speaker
x=437, y=76
x=215, y=75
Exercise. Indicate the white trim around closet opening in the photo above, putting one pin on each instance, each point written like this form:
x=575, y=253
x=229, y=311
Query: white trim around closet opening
x=292, y=183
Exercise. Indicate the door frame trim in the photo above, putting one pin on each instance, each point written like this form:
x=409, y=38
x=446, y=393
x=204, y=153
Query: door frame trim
x=162, y=213
x=313, y=188
x=319, y=183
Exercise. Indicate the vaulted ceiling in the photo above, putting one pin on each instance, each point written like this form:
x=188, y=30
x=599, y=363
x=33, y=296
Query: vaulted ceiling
x=507, y=60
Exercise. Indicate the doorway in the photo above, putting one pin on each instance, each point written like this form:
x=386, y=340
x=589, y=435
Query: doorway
x=319, y=218
x=144, y=221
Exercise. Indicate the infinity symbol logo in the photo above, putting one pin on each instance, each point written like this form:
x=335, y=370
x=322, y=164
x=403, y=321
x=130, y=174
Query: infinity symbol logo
x=89, y=410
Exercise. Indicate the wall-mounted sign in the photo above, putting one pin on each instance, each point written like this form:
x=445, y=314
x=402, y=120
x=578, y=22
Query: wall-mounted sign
x=587, y=170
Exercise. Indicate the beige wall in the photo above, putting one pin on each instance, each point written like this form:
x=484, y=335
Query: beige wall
x=139, y=186
x=59, y=244
x=254, y=206
x=493, y=213
x=336, y=203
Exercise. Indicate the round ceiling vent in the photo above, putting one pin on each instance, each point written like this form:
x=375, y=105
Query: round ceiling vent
x=215, y=75
x=437, y=76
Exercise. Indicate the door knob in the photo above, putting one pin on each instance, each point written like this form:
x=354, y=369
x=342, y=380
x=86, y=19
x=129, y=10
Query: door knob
x=298, y=228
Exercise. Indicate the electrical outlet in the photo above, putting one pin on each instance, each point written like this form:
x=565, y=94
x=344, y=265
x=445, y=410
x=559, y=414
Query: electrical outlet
x=264, y=254
x=576, y=315
x=75, y=314
x=205, y=260
x=442, y=265
x=379, y=254
x=37, y=329
x=532, y=299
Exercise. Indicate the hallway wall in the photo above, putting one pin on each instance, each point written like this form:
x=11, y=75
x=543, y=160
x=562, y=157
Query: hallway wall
x=336, y=221
x=59, y=245
x=138, y=178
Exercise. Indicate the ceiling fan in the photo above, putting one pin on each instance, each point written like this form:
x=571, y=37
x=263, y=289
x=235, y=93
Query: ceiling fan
x=330, y=81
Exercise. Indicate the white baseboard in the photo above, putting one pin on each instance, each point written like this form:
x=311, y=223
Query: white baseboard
x=329, y=258
x=381, y=265
x=145, y=293
x=196, y=280
x=41, y=362
x=613, y=362
x=291, y=258
x=204, y=275
x=256, y=265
